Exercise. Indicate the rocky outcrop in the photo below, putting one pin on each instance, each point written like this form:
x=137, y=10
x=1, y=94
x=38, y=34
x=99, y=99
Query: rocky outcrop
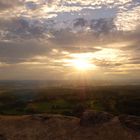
x=91, y=126
x=131, y=122
x=91, y=118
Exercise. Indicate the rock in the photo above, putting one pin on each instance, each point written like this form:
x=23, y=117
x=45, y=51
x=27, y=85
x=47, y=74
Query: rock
x=40, y=117
x=91, y=118
x=60, y=127
x=132, y=122
x=2, y=137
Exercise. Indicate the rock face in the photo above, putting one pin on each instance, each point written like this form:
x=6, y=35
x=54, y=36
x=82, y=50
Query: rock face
x=91, y=118
x=92, y=126
x=132, y=122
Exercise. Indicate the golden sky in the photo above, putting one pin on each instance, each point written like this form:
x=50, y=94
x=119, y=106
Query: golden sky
x=62, y=39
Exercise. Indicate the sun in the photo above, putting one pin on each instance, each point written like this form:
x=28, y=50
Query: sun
x=82, y=64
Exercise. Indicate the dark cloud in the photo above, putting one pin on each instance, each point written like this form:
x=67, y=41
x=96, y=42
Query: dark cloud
x=21, y=51
x=103, y=26
x=31, y=5
x=22, y=27
x=100, y=26
x=26, y=27
x=80, y=22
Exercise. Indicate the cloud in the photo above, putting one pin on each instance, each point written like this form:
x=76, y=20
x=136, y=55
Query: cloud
x=40, y=34
x=128, y=19
x=15, y=52
x=31, y=5
x=21, y=27
x=6, y=4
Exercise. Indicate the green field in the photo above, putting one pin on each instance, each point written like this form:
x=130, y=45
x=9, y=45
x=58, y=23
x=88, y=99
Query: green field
x=70, y=101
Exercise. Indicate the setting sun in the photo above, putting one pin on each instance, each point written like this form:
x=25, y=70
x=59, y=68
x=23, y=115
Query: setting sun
x=80, y=61
x=81, y=64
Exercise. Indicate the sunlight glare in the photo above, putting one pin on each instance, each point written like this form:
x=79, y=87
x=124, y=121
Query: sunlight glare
x=82, y=64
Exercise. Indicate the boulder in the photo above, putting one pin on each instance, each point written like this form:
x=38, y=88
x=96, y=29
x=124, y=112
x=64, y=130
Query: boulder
x=91, y=118
x=129, y=121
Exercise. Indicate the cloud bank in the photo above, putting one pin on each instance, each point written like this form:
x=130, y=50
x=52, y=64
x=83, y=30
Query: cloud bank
x=37, y=37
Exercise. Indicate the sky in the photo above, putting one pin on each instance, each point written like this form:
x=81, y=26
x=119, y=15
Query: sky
x=68, y=39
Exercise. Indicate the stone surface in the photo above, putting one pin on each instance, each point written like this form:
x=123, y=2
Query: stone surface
x=2, y=137
x=91, y=118
x=131, y=122
x=58, y=127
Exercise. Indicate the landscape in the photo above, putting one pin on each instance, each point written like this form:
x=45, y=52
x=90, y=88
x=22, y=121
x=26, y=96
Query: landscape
x=69, y=69
x=30, y=97
x=52, y=112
